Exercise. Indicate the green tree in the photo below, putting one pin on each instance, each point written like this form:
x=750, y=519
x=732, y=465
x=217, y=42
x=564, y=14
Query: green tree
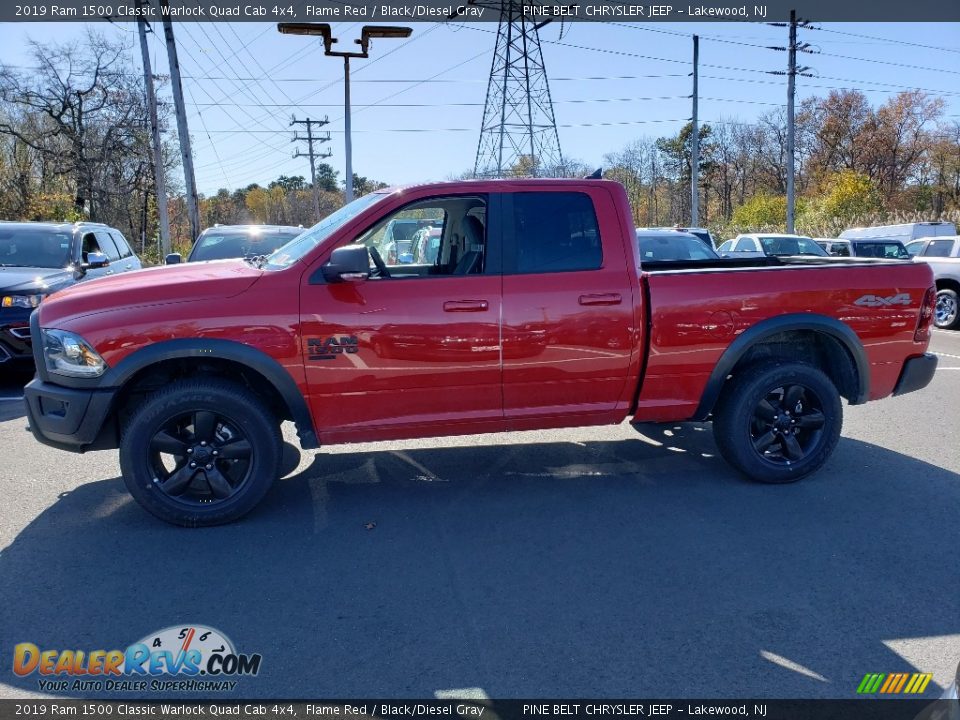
x=765, y=212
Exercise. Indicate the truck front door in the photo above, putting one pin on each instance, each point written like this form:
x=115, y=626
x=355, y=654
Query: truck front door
x=414, y=346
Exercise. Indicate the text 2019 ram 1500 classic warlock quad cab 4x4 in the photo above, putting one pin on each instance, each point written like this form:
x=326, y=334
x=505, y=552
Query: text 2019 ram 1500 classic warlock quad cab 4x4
x=536, y=313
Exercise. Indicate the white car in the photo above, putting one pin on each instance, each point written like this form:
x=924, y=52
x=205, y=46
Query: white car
x=771, y=245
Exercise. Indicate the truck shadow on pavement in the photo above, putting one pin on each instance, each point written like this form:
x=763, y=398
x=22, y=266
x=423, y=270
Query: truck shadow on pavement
x=594, y=569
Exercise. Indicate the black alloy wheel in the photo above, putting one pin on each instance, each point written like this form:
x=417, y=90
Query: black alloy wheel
x=200, y=457
x=777, y=421
x=200, y=452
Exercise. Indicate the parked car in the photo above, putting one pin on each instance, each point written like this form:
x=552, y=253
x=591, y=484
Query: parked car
x=672, y=246
x=942, y=254
x=701, y=234
x=37, y=259
x=223, y=242
x=426, y=246
x=770, y=245
x=167, y=369
x=904, y=232
x=875, y=248
x=396, y=244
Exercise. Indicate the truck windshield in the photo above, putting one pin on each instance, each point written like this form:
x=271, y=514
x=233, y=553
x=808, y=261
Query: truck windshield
x=295, y=250
x=34, y=247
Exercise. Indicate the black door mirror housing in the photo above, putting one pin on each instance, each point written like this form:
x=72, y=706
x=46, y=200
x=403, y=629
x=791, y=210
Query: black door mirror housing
x=350, y=263
x=173, y=259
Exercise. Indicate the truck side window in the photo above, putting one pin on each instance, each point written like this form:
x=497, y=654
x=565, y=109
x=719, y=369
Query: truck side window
x=122, y=245
x=938, y=248
x=439, y=236
x=555, y=232
x=89, y=245
x=107, y=245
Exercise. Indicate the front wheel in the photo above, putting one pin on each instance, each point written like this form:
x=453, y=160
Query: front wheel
x=778, y=421
x=946, y=314
x=200, y=452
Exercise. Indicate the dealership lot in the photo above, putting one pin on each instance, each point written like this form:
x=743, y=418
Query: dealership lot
x=590, y=562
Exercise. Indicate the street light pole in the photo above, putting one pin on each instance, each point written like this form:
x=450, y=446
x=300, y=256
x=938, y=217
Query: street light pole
x=366, y=32
x=347, y=139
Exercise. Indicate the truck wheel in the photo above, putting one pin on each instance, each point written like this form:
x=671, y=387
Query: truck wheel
x=200, y=452
x=946, y=314
x=778, y=421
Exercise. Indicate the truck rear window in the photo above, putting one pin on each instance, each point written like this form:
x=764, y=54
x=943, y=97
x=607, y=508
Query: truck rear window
x=554, y=232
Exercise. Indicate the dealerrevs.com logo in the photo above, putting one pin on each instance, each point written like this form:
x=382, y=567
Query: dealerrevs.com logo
x=179, y=658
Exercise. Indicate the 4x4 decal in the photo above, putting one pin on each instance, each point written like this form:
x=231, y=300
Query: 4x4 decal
x=330, y=347
x=878, y=301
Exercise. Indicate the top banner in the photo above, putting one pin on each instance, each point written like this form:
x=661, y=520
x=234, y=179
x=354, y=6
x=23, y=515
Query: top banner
x=470, y=11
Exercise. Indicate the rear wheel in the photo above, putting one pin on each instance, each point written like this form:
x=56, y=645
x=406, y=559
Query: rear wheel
x=778, y=421
x=946, y=314
x=200, y=452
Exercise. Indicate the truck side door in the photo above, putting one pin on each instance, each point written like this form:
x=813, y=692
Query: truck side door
x=568, y=311
x=416, y=346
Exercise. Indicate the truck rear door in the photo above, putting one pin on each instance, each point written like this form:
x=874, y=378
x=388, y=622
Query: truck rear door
x=569, y=324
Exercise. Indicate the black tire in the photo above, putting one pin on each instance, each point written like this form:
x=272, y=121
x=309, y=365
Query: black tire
x=789, y=447
x=191, y=470
x=946, y=315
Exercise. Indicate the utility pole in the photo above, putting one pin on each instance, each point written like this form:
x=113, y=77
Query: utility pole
x=792, y=71
x=366, y=33
x=155, y=138
x=193, y=205
x=695, y=162
x=313, y=155
x=791, y=145
x=348, y=134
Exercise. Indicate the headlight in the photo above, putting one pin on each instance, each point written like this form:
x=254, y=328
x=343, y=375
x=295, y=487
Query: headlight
x=68, y=354
x=22, y=301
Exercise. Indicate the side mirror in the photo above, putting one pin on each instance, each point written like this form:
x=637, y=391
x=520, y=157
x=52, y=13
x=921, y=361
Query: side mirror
x=350, y=263
x=173, y=259
x=95, y=260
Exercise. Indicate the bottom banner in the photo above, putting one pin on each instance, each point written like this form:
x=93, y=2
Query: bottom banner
x=874, y=709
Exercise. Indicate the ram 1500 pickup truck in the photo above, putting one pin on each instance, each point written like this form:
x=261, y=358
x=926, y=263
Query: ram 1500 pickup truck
x=536, y=313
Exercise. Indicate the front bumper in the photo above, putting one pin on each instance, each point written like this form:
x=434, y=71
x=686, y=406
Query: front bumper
x=68, y=418
x=916, y=374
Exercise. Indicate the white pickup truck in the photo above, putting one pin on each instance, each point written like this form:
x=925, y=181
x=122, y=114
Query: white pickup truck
x=943, y=256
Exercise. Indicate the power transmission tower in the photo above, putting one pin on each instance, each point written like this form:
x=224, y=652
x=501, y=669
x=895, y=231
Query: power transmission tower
x=695, y=160
x=518, y=135
x=193, y=204
x=312, y=154
x=155, y=138
x=792, y=71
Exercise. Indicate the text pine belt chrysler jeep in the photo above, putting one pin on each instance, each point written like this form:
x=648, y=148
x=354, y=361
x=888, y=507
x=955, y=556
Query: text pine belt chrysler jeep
x=535, y=313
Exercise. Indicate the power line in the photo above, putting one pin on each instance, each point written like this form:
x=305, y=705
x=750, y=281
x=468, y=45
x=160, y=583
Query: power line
x=887, y=40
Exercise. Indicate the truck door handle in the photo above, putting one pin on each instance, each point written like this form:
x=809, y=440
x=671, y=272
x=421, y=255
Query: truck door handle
x=601, y=299
x=465, y=306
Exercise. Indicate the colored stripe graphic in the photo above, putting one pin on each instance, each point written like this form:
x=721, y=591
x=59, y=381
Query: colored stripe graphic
x=870, y=683
x=894, y=683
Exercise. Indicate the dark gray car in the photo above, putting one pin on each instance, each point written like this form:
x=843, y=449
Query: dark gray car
x=37, y=259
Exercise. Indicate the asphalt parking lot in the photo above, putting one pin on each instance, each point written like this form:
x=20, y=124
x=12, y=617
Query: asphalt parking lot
x=581, y=563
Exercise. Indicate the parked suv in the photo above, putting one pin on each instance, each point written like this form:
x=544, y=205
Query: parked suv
x=223, y=242
x=875, y=248
x=37, y=259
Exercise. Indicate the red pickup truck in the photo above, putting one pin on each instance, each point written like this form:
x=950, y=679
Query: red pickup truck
x=536, y=313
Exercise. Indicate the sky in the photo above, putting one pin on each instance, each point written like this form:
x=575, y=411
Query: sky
x=418, y=103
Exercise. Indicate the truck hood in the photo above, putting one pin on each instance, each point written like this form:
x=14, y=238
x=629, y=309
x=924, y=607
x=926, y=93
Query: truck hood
x=30, y=280
x=182, y=283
